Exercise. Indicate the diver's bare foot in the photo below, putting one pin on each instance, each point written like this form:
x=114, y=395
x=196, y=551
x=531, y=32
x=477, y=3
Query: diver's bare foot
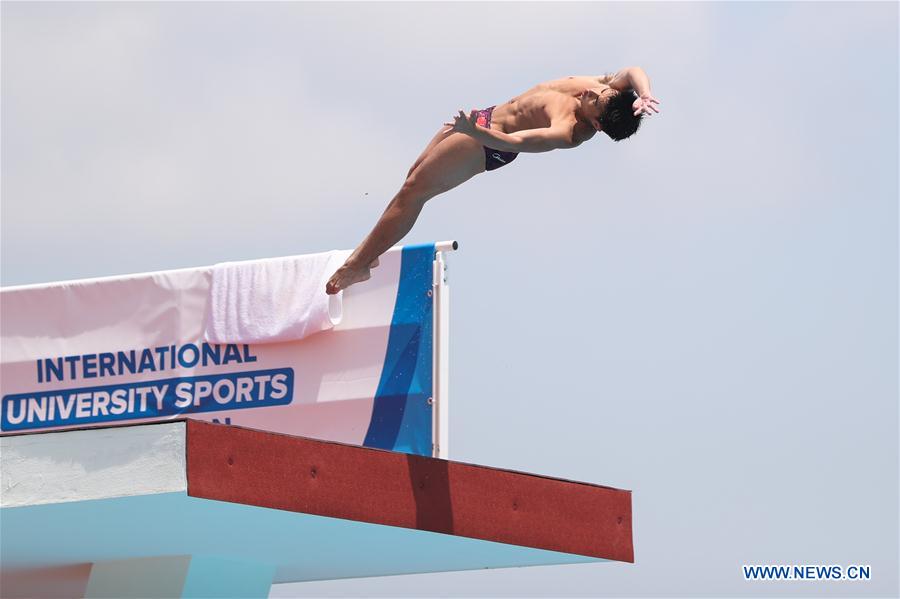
x=348, y=275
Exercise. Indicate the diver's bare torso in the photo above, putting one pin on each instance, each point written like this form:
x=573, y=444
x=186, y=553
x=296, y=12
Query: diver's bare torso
x=546, y=102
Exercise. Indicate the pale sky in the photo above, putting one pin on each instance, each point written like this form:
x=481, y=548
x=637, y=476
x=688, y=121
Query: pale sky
x=705, y=314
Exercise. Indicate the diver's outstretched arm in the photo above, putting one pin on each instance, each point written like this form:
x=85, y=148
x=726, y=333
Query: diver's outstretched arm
x=631, y=78
x=635, y=78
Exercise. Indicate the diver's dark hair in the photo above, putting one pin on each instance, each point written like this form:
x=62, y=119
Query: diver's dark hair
x=618, y=118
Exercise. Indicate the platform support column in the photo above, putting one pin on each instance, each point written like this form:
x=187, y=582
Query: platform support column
x=179, y=576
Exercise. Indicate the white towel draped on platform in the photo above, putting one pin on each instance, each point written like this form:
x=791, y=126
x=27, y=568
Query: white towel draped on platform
x=273, y=300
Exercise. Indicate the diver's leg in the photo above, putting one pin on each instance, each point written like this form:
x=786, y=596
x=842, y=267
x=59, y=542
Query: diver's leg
x=451, y=161
x=438, y=138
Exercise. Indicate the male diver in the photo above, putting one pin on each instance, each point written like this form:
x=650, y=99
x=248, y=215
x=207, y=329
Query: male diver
x=563, y=113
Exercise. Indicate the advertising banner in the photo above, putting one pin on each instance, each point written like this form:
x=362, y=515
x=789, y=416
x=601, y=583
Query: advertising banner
x=132, y=349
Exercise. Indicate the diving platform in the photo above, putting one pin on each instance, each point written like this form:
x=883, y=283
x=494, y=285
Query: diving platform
x=189, y=508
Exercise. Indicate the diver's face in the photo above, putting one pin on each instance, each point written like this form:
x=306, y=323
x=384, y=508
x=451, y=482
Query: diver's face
x=590, y=99
x=593, y=103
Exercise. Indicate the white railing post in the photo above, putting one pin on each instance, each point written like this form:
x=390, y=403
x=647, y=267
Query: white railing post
x=441, y=349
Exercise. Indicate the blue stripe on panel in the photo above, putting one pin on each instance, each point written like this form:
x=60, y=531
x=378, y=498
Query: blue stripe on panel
x=401, y=416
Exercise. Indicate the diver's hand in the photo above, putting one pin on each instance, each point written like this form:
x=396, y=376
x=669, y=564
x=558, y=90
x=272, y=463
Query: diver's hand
x=645, y=104
x=462, y=123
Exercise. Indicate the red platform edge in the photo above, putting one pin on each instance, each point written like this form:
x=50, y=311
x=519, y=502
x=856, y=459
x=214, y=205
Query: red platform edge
x=324, y=478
